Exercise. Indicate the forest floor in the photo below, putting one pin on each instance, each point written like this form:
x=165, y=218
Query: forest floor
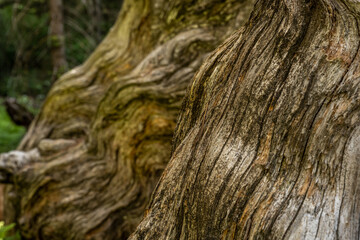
x=10, y=134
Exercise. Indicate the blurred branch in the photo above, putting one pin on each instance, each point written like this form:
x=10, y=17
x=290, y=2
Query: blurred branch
x=76, y=22
x=20, y=15
x=76, y=27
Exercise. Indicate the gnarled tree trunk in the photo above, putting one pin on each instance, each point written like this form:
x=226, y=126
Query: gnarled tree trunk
x=91, y=158
x=268, y=141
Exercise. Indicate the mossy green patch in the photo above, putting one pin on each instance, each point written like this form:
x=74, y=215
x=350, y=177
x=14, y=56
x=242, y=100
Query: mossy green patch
x=10, y=134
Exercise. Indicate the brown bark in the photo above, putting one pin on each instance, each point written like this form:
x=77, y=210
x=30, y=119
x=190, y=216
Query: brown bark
x=268, y=141
x=91, y=158
x=57, y=38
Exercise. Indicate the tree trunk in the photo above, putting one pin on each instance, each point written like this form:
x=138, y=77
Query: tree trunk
x=268, y=141
x=92, y=157
x=57, y=38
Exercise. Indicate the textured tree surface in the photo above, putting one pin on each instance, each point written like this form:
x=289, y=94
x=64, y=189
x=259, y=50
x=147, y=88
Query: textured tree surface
x=268, y=141
x=92, y=157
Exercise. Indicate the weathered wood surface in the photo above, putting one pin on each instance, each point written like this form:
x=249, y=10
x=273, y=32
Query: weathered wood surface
x=92, y=157
x=268, y=141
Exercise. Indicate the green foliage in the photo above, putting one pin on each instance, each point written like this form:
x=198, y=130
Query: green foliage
x=25, y=49
x=55, y=41
x=29, y=103
x=23, y=58
x=25, y=46
x=10, y=134
x=27, y=82
x=5, y=232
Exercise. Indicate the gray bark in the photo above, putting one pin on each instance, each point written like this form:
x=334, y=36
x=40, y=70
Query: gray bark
x=268, y=141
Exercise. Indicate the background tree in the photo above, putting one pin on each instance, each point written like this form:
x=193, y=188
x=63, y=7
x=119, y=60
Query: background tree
x=25, y=51
x=268, y=142
x=93, y=155
x=25, y=45
x=57, y=38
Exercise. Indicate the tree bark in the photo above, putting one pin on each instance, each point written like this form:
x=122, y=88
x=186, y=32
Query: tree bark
x=57, y=38
x=268, y=141
x=92, y=157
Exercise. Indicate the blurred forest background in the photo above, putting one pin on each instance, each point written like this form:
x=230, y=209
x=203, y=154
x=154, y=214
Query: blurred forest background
x=26, y=45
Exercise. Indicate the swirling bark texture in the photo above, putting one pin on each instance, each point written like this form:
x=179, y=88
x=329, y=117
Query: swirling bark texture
x=92, y=157
x=268, y=141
